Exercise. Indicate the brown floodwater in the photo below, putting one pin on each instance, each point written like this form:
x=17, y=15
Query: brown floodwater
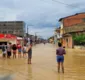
x=44, y=66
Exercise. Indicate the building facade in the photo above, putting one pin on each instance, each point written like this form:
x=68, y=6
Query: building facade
x=12, y=27
x=72, y=25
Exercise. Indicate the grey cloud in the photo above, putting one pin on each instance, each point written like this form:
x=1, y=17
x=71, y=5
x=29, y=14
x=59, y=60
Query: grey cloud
x=39, y=14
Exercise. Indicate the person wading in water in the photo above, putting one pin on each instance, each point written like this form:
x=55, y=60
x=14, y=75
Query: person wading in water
x=30, y=52
x=14, y=48
x=60, y=58
x=9, y=47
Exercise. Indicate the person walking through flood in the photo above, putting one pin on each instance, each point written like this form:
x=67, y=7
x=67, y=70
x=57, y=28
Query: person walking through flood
x=14, y=48
x=30, y=52
x=19, y=47
x=60, y=57
x=9, y=47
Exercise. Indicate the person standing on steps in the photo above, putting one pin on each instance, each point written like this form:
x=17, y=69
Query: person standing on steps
x=60, y=57
x=30, y=52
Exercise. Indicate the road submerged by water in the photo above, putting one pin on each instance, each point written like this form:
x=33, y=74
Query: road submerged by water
x=44, y=65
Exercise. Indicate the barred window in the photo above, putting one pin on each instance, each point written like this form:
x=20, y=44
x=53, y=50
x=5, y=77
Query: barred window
x=4, y=32
x=10, y=32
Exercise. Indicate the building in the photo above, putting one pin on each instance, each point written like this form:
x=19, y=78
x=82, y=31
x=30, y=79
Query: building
x=72, y=25
x=51, y=39
x=58, y=35
x=12, y=27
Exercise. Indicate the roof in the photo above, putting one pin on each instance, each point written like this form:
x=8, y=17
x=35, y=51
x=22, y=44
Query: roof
x=66, y=35
x=71, y=16
x=19, y=38
x=58, y=29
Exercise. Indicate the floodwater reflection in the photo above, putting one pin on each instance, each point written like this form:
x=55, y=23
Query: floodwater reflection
x=29, y=72
x=60, y=77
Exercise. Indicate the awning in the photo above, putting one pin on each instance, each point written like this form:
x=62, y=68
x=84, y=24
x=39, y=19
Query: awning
x=19, y=38
x=2, y=35
x=10, y=36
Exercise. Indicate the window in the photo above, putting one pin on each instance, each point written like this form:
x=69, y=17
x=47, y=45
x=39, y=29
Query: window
x=67, y=40
x=10, y=32
x=4, y=25
x=83, y=19
x=4, y=32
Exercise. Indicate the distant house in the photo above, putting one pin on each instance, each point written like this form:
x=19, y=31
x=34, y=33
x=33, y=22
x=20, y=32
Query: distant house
x=72, y=25
x=51, y=39
x=58, y=34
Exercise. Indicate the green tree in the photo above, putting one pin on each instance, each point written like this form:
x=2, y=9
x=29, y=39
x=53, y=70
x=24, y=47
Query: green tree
x=79, y=39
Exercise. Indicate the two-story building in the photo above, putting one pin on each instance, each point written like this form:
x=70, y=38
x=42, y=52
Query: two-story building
x=70, y=25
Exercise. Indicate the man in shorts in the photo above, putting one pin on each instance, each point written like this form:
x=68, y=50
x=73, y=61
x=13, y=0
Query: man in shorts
x=60, y=58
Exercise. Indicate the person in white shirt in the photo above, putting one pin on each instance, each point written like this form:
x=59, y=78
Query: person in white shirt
x=24, y=51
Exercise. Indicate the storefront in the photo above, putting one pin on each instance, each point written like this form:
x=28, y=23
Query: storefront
x=19, y=40
x=5, y=38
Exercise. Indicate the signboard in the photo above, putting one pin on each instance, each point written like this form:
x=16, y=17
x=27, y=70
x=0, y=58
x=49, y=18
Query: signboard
x=8, y=36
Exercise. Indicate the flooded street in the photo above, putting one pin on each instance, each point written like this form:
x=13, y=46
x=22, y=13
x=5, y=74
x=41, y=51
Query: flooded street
x=44, y=65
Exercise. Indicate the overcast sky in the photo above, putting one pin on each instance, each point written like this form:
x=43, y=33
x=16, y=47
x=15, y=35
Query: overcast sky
x=41, y=15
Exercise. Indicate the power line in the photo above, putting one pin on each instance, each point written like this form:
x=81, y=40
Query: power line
x=62, y=3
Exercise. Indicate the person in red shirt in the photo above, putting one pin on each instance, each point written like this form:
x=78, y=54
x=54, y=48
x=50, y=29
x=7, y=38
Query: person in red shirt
x=19, y=47
x=14, y=48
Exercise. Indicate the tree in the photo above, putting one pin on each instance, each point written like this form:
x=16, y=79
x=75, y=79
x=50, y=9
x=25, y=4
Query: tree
x=79, y=39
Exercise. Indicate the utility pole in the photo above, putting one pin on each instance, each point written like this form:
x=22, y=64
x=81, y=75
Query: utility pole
x=27, y=31
x=36, y=37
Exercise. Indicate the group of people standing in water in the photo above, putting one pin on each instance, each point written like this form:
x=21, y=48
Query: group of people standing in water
x=9, y=50
x=17, y=49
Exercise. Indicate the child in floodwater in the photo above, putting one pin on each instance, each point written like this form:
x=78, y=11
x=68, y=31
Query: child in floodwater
x=60, y=58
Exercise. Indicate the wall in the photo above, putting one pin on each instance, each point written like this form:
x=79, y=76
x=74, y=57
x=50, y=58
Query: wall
x=75, y=28
x=75, y=19
x=61, y=28
x=67, y=42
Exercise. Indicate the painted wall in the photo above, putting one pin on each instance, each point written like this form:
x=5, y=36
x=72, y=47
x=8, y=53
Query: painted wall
x=67, y=42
